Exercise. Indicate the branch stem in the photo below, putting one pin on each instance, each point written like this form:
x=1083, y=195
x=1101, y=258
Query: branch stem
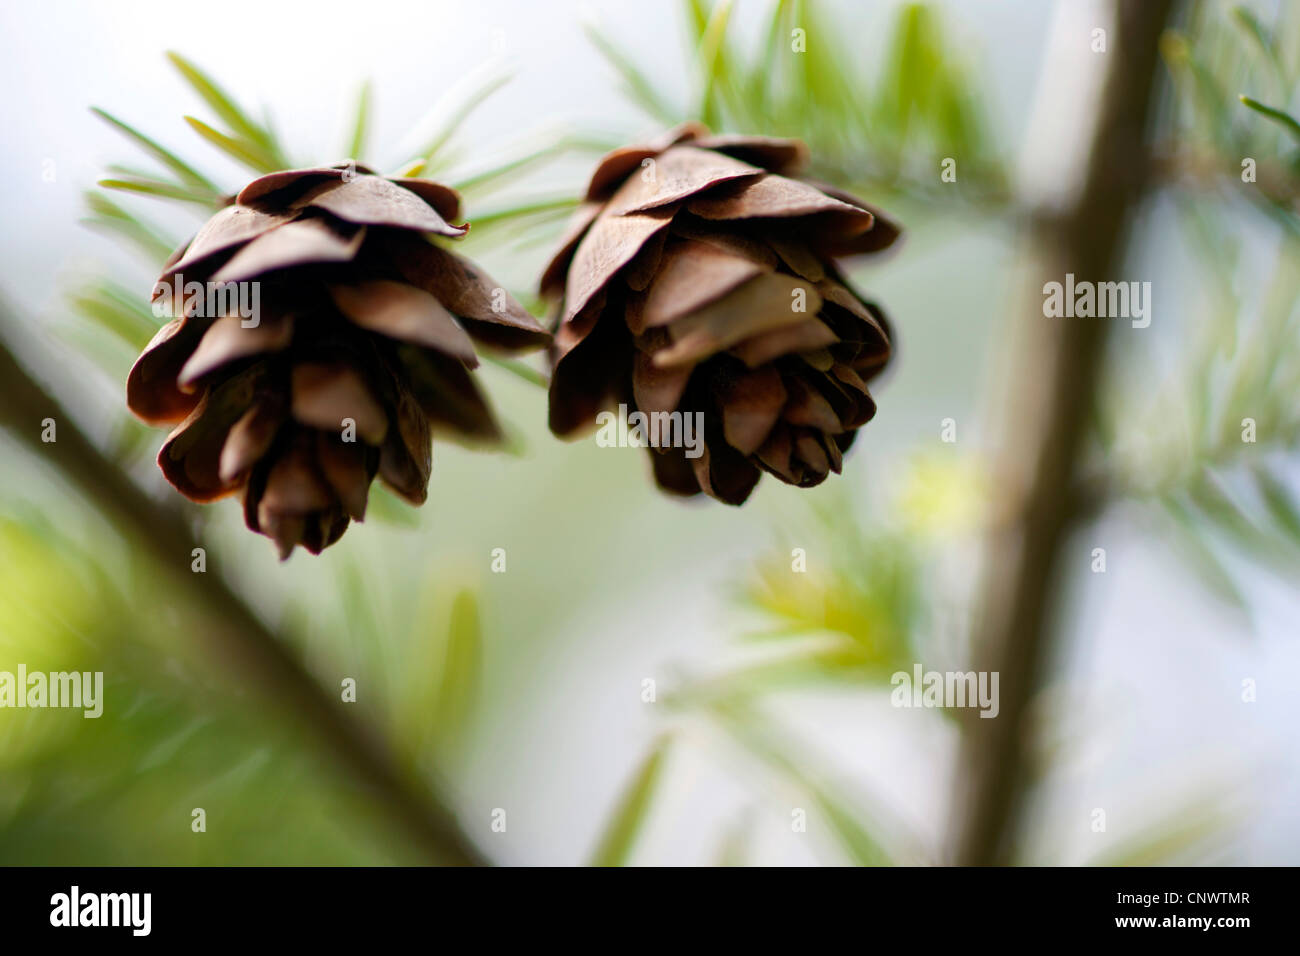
x=1057, y=367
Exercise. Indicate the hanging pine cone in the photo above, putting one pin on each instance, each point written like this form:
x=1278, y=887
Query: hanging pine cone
x=361, y=346
x=698, y=277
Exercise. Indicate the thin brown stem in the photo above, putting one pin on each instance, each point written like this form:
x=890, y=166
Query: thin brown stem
x=1058, y=364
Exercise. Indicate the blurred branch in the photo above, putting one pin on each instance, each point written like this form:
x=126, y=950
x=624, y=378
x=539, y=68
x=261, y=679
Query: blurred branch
x=1274, y=180
x=1058, y=364
x=238, y=635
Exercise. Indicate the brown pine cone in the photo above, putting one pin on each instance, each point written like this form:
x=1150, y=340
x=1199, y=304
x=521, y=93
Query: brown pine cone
x=698, y=277
x=361, y=345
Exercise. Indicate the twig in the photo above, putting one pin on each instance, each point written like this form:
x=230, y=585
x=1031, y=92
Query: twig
x=1058, y=364
x=236, y=633
x=1274, y=181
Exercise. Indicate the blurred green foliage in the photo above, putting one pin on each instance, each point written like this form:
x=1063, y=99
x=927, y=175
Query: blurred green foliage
x=175, y=735
x=1215, y=448
x=884, y=135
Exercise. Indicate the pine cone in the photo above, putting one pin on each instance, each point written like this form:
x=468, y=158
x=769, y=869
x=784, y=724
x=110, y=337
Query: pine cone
x=361, y=346
x=680, y=279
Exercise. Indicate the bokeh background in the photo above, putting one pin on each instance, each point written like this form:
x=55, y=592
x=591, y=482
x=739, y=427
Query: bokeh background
x=525, y=691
